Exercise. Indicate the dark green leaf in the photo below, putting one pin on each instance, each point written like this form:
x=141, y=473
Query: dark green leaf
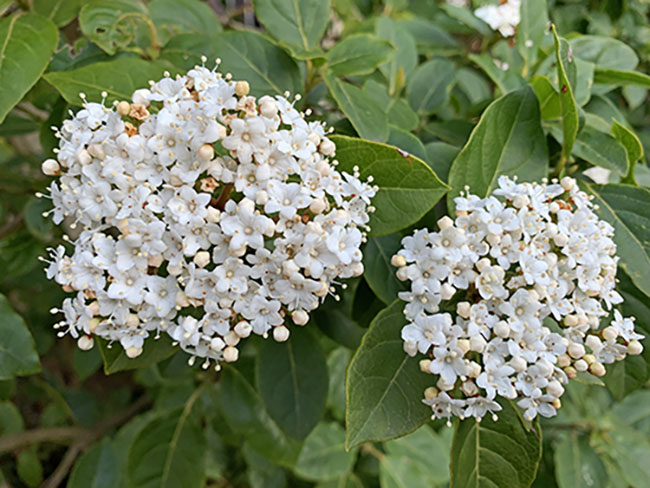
x=323, y=456
x=428, y=89
x=577, y=465
x=298, y=24
x=292, y=378
x=407, y=142
x=379, y=273
x=601, y=149
x=506, y=80
x=154, y=351
x=119, y=78
x=467, y=17
x=359, y=54
x=18, y=355
x=397, y=109
x=28, y=41
x=61, y=12
x=384, y=386
x=531, y=29
x=29, y=467
x=495, y=454
x=440, y=157
x=404, y=60
x=96, y=467
x=566, y=66
x=508, y=140
x=173, y=17
x=337, y=363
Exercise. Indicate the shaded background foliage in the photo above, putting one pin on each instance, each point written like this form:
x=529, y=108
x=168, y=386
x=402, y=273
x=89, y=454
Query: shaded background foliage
x=421, y=75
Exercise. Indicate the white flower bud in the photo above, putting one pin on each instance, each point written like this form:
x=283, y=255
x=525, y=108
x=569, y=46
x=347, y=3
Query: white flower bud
x=560, y=239
x=446, y=291
x=425, y=364
x=398, y=260
x=94, y=307
x=132, y=320
x=597, y=369
x=634, y=348
x=493, y=239
x=133, y=352
x=214, y=215
x=445, y=222
x=290, y=268
x=96, y=151
x=181, y=299
x=431, y=393
x=327, y=147
x=357, y=269
x=567, y=183
x=477, y=343
x=217, y=344
x=557, y=403
x=242, y=88
x=444, y=386
x=576, y=350
x=155, y=261
x=300, y=317
x=261, y=197
x=141, y=97
x=281, y=333
x=474, y=369
x=230, y=354
x=84, y=157
x=85, y=342
x=243, y=329
x=518, y=363
x=410, y=348
x=570, y=320
x=571, y=372
x=610, y=333
x=123, y=108
x=202, y=259
x=589, y=358
x=501, y=329
x=323, y=290
x=555, y=388
x=206, y=152
x=231, y=338
x=221, y=131
x=317, y=205
x=563, y=360
x=482, y=263
x=469, y=388
x=581, y=365
x=463, y=345
x=521, y=201
x=314, y=138
x=50, y=167
x=268, y=107
x=463, y=309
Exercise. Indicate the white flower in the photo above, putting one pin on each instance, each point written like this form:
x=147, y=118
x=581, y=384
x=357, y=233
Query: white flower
x=505, y=17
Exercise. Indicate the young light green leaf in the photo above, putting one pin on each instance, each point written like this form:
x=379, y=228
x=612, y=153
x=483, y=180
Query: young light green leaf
x=566, y=66
x=577, y=465
x=508, y=140
x=119, y=78
x=153, y=351
x=359, y=54
x=364, y=113
x=531, y=29
x=404, y=60
x=298, y=24
x=323, y=456
x=252, y=57
x=625, y=207
x=28, y=41
x=96, y=467
x=408, y=188
x=169, y=451
x=173, y=17
x=115, y=24
x=495, y=454
x=428, y=89
x=384, y=386
x=18, y=355
x=621, y=77
x=379, y=273
x=292, y=379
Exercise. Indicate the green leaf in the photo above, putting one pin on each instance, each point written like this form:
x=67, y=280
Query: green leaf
x=185, y=50
x=404, y=60
x=169, y=451
x=621, y=77
x=625, y=207
x=173, y=17
x=489, y=454
x=577, y=465
x=634, y=408
x=61, y=12
x=467, y=17
x=384, y=386
x=506, y=81
x=337, y=363
x=252, y=57
x=365, y=115
x=119, y=78
x=531, y=29
x=605, y=52
x=115, y=24
x=27, y=42
x=440, y=157
x=550, y=106
x=292, y=379
x=508, y=140
x=154, y=351
x=473, y=84
x=632, y=145
x=408, y=188
x=601, y=149
x=335, y=319
x=408, y=461
x=455, y=132
x=429, y=87
x=359, y=54
x=397, y=109
x=11, y=421
x=323, y=456
x=298, y=24
x=244, y=411
x=261, y=472
x=406, y=141
x=565, y=67
x=379, y=273
x=18, y=355
x=631, y=451
x=96, y=467
x=29, y=467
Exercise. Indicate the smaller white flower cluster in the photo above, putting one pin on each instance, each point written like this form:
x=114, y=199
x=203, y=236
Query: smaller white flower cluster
x=509, y=299
x=205, y=246
x=504, y=17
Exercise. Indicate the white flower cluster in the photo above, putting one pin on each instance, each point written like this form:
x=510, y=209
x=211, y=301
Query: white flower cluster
x=509, y=299
x=206, y=246
x=504, y=17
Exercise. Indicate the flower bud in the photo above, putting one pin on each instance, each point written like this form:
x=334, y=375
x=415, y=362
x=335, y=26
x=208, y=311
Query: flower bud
x=214, y=215
x=557, y=403
x=327, y=147
x=581, y=365
x=132, y=320
x=268, y=107
x=477, y=343
x=133, y=352
x=571, y=372
x=431, y=393
x=202, y=259
x=463, y=345
x=398, y=260
x=323, y=290
x=217, y=344
x=50, y=167
x=410, y=348
x=444, y=386
x=474, y=369
x=281, y=333
x=567, y=183
x=425, y=364
x=518, y=363
x=261, y=197
x=141, y=96
x=317, y=206
x=469, y=388
x=85, y=342
x=84, y=157
x=357, y=269
x=576, y=350
x=206, y=152
x=445, y=222
x=96, y=151
x=242, y=88
x=634, y=348
x=243, y=329
x=482, y=263
x=221, y=131
x=555, y=388
x=597, y=369
x=300, y=317
x=446, y=291
x=231, y=338
x=563, y=360
x=521, y=201
x=155, y=260
x=610, y=333
x=463, y=309
x=181, y=299
x=589, y=358
x=501, y=329
x=560, y=240
x=123, y=108
x=230, y=354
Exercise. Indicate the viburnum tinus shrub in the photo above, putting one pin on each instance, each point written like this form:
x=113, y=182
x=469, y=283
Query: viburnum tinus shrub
x=207, y=247
x=512, y=299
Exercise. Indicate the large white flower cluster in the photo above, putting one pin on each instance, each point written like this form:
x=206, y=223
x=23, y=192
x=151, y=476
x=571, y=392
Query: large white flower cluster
x=512, y=298
x=206, y=214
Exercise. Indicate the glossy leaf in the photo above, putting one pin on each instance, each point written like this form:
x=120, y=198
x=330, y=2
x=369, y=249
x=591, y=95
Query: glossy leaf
x=359, y=54
x=323, y=456
x=430, y=84
x=27, y=43
x=382, y=380
x=154, y=351
x=489, y=454
x=18, y=355
x=119, y=79
x=508, y=140
x=298, y=24
x=293, y=382
x=252, y=57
